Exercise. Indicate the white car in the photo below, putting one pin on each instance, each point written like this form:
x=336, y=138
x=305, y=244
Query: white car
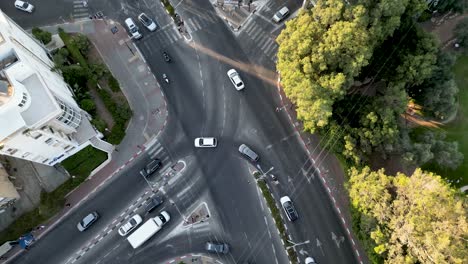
x=289, y=209
x=310, y=260
x=235, y=79
x=133, y=28
x=206, y=142
x=147, y=22
x=126, y=228
x=24, y=6
x=281, y=14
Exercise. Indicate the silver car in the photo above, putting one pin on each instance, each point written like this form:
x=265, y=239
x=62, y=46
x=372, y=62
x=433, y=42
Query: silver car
x=87, y=221
x=217, y=247
x=246, y=151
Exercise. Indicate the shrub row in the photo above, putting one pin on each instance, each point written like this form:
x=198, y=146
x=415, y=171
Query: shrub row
x=278, y=220
x=121, y=114
x=72, y=48
x=169, y=7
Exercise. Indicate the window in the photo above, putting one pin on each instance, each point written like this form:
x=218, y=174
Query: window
x=35, y=134
x=12, y=151
x=26, y=154
x=23, y=100
x=44, y=161
x=49, y=141
x=70, y=116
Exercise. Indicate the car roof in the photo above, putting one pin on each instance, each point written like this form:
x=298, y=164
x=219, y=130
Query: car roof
x=285, y=199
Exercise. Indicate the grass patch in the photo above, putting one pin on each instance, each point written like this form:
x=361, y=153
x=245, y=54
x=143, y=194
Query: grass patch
x=278, y=220
x=457, y=129
x=79, y=165
x=168, y=7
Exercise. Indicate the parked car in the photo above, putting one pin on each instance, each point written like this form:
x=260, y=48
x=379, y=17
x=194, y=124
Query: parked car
x=131, y=224
x=132, y=27
x=87, y=221
x=147, y=22
x=154, y=203
x=235, y=79
x=217, y=248
x=289, y=209
x=281, y=14
x=153, y=166
x=310, y=260
x=249, y=153
x=24, y=6
x=206, y=142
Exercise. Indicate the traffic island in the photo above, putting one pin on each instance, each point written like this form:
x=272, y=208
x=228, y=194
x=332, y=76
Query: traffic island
x=275, y=212
x=199, y=215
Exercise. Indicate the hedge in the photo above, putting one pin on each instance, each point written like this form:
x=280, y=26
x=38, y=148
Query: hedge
x=121, y=114
x=72, y=48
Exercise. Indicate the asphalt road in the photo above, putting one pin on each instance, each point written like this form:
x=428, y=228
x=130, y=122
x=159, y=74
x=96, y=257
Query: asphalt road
x=203, y=102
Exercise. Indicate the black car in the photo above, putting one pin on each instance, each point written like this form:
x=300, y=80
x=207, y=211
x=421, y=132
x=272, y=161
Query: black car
x=153, y=166
x=166, y=56
x=154, y=203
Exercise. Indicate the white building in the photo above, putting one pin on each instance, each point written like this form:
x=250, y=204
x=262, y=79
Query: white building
x=39, y=119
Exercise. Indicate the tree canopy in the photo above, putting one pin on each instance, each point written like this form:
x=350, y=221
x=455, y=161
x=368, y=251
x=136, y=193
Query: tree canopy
x=416, y=219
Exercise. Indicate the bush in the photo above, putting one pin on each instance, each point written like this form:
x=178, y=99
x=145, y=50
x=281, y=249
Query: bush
x=72, y=48
x=461, y=33
x=99, y=124
x=75, y=75
x=113, y=84
x=121, y=114
x=82, y=43
x=88, y=105
x=169, y=7
x=43, y=36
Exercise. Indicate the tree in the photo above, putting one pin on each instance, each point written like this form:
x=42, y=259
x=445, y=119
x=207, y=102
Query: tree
x=44, y=36
x=437, y=94
x=61, y=58
x=325, y=48
x=461, y=33
x=416, y=219
x=430, y=146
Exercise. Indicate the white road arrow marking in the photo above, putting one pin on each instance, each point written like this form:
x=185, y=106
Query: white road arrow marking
x=303, y=252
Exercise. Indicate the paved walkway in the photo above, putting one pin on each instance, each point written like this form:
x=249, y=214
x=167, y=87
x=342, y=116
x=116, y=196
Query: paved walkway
x=139, y=86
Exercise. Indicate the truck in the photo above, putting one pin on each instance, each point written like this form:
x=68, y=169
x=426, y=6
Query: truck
x=148, y=229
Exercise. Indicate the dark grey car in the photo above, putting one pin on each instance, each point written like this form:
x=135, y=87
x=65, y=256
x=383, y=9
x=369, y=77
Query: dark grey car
x=153, y=166
x=153, y=203
x=213, y=247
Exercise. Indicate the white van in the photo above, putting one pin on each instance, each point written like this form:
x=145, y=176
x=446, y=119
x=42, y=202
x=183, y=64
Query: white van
x=133, y=28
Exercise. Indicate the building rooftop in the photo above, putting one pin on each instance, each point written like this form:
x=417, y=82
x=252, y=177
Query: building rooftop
x=42, y=105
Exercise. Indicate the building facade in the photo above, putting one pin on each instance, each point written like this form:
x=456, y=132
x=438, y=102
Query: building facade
x=39, y=118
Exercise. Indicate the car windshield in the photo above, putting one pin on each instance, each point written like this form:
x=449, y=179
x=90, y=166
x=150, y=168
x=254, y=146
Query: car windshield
x=25, y=5
x=200, y=141
x=133, y=30
x=132, y=222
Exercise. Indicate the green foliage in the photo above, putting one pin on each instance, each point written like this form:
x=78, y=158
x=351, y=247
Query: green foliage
x=169, y=7
x=275, y=212
x=324, y=49
x=437, y=94
x=113, y=83
x=450, y=5
x=417, y=219
x=461, y=33
x=60, y=58
x=80, y=165
x=88, y=105
x=121, y=113
x=75, y=75
x=99, y=124
x=430, y=146
x=44, y=36
x=81, y=42
x=73, y=49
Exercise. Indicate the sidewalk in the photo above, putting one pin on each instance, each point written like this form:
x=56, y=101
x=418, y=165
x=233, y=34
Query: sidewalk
x=127, y=65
